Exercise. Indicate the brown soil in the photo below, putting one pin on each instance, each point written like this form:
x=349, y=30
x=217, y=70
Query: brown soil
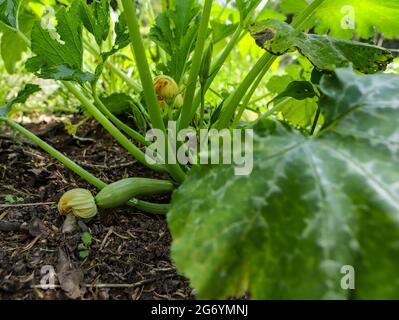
x=129, y=254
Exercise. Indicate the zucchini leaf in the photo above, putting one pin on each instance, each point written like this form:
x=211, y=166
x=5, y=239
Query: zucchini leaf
x=221, y=31
x=373, y=100
x=117, y=103
x=12, y=45
x=9, y=12
x=299, y=90
x=122, y=38
x=21, y=97
x=59, y=58
x=310, y=207
x=175, y=31
x=300, y=113
x=96, y=19
x=121, y=103
x=325, y=53
x=344, y=18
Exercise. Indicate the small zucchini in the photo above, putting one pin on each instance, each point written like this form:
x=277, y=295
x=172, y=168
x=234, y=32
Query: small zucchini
x=120, y=192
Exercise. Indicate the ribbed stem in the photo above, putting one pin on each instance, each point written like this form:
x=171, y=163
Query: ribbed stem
x=216, y=66
x=233, y=101
x=57, y=155
x=307, y=14
x=195, y=66
x=113, y=131
x=153, y=208
x=146, y=79
x=149, y=207
x=249, y=95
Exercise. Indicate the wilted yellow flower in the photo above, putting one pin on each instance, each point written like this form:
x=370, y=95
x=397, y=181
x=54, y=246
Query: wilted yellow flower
x=166, y=88
x=79, y=202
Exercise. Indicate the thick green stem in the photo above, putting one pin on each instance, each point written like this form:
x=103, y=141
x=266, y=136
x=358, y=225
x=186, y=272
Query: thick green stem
x=315, y=121
x=146, y=79
x=234, y=100
x=222, y=57
x=136, y=152
x=149, y=207
x=278, y=107
x=202, y=112
x=216, y=66
x=125, y=142
x=122, y=126
x=249, y=95
x=142, y=65
x=56, y=154
x=307, y=14
x=195, y=66
x=154, y=208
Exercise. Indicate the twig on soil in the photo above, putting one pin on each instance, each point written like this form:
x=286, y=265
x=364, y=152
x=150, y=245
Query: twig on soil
x=30, y=245
x=120, y=236
x=114, y=285
x=34, y=155
x=21, y=205
x=103, y=243
x=103, y=166
x=21, y=191
x=3, y=215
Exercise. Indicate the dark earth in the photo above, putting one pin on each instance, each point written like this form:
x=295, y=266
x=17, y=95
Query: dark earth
x=129, y=253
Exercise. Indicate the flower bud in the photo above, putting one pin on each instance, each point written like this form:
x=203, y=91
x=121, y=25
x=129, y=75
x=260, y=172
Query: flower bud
x=79, y=202
x=166, y=88
x=178, y=103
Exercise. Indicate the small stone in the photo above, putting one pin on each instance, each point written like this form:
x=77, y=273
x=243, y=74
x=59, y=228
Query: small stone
x=69, y=225
x=7, y=226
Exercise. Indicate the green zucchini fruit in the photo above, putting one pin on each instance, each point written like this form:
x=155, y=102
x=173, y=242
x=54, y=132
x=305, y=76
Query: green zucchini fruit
x=120, y=192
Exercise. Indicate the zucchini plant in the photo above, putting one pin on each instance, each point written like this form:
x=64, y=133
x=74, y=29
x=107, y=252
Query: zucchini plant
x=324, y=191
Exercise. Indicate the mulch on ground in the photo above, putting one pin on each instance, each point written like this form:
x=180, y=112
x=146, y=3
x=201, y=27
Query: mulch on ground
x=129, y=254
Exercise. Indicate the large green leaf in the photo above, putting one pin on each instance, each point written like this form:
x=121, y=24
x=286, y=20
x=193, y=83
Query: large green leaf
x=325, y=53
x=21, y=97
x=9, y=12
x=95, y=17
x=299, y=90
x=300, y=113
x=309, y=207
x=12, y=48
x=343, y=18
x=59, y=59
x=122, y=37
x=12, y=45
x=346, y=92
x=175, y=31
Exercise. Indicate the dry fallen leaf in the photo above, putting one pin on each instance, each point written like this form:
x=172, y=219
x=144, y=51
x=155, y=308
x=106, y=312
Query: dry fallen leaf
x=70, y=279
